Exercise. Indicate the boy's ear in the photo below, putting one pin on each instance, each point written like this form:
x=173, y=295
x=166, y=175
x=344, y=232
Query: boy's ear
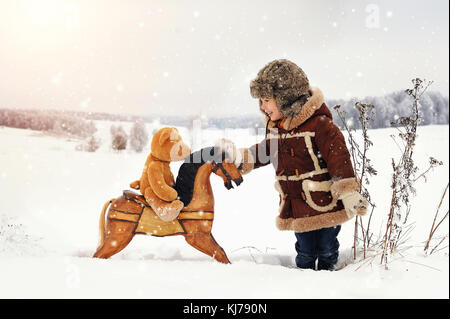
x=165, y=135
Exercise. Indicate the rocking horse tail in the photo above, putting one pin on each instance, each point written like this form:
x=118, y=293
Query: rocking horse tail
x=102, y=228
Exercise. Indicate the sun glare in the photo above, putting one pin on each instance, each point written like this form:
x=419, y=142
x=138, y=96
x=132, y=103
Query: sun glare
x=51, y=14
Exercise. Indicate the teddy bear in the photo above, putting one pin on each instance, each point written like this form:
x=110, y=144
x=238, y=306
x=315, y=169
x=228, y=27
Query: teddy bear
x=157, y=182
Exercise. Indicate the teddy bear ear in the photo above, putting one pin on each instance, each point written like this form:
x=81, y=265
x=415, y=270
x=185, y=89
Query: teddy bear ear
x=174, y=135
x=165, y=135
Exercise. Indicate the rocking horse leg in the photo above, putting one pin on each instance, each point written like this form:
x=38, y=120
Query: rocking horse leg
x=206, y=243
x=118, y=236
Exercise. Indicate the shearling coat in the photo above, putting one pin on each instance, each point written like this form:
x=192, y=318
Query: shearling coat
x=312, y=165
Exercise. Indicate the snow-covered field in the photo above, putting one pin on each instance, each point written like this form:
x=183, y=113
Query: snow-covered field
x=56, y=193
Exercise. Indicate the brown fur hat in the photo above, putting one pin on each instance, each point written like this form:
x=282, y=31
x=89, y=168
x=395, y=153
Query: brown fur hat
x=286, y=82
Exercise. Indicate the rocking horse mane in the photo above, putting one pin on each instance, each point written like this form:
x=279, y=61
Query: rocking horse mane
x=184, y=184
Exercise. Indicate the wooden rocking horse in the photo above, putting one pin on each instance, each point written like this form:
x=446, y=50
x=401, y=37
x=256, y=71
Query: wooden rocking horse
x=129, y=214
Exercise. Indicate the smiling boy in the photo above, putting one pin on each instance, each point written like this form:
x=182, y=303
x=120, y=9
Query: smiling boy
x=314, y=174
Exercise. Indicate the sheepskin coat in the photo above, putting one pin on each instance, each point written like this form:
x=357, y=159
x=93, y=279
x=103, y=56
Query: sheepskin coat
x=312, y=165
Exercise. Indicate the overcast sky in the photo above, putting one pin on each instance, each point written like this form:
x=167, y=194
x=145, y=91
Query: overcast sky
x=198, y=57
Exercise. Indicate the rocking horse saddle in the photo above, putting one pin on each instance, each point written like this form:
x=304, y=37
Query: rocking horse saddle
x=145, y=218
x=184, y=214
x=139, y=199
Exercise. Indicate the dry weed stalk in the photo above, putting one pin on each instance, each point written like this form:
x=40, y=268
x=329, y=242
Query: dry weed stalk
x=404, y=171
x=434, y=228
x=362, y=165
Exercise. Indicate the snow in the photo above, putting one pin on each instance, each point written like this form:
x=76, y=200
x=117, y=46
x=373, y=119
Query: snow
x=56, y=193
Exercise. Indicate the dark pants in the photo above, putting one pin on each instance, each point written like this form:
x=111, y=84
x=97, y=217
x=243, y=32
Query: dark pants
x=321, y=244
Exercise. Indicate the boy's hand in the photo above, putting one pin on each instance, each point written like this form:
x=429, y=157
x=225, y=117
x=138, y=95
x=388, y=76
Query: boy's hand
x=228, y=146
x=242, y=158
x=354, y=203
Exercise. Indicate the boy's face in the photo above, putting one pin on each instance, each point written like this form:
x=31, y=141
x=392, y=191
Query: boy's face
x=269, y=106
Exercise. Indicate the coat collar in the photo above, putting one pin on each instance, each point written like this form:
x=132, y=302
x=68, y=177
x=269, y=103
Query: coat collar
x=308, y=109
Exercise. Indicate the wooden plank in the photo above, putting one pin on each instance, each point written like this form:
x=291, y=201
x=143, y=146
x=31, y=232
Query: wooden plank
x=113, y=214
x=196, y=215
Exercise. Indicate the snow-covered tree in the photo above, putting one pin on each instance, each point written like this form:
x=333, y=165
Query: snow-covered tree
x=90, y=145
x=119, y=138
x=138, y=136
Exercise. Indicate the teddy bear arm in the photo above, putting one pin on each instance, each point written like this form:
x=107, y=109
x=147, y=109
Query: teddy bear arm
x=168, y=177
x=159, y=185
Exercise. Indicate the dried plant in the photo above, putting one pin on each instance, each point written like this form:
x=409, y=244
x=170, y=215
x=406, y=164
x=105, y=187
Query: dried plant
x=435, y=226
x=361, y=164
x=15, y=240
x=404, y=171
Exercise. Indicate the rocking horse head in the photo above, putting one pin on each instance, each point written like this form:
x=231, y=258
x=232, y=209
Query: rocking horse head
x=228, y=172
x=217, y=161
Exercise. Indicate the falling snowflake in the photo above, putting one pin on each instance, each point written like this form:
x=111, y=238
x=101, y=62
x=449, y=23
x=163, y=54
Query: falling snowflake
x=56, y=79
x=84, y=104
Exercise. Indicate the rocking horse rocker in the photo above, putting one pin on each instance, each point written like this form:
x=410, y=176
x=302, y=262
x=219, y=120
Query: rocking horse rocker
x=130, y=214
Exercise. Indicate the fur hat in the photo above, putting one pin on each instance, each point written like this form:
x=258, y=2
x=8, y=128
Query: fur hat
x=286, y=82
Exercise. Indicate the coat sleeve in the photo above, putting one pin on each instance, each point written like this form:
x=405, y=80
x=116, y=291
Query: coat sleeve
x=256, y=156
x=331, y=144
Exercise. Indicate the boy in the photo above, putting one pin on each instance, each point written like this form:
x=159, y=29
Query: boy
x=314, y=174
